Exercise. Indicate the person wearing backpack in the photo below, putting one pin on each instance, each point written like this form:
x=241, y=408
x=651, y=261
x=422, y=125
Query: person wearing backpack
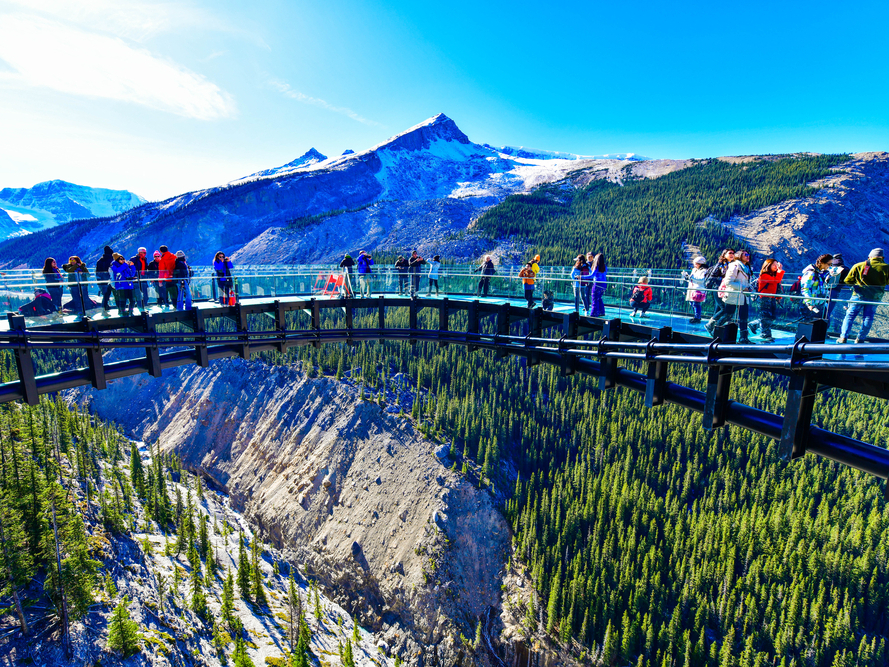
x=365, y=261
x=697, y=283
x=813, y=288
x=487, y=270
x=581, y=273
x=123, y=277
x=732, y=291
x=182, y=275
x=868, y=280
x=714, y=276
x=223, y=266
x=836, y=275
x=103, y=276
x=401, y=270
x=769, y=286
x=641, y=297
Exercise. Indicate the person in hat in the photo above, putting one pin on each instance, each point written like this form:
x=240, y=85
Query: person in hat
x=365, y=261
x=182, y=277
x=697, y=283
x=868, y=280
x=836, y=275
x=153, y=272
x=123, y=276
x=103, y=275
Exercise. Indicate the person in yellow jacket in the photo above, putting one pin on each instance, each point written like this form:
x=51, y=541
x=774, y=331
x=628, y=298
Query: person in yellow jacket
x=868, y=280
x=535, y=264
x=527, y=274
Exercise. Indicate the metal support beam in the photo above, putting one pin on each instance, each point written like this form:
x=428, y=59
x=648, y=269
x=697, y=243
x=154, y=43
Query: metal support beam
x=412, y=317
x=656, y=380
x=95, y=364
x=443, y=319
x=350, y=312
x=281, y=324
x=801, y=394
x=152, y=353
x=503, y=321
x=241, y=316
x=472, y=325
x=316, y=320
x=24, y=362
x=199, y=326
x=535, y=330
x=719, y=382
x=608, y=367
x=381, y=315
x=569, y=332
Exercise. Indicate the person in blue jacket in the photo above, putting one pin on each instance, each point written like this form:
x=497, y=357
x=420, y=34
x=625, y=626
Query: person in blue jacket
x=123, y=277
x=365, y=261
x=223, y=267
x=103, y=276
x=599, y=277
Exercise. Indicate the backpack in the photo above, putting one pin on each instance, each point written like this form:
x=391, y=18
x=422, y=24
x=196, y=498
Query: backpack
x=797, y=288
x=714, y=276
x=638, y=296
x=833, y=276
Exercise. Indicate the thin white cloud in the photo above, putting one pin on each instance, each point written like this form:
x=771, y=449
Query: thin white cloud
x=285, y=89
x=71, y=60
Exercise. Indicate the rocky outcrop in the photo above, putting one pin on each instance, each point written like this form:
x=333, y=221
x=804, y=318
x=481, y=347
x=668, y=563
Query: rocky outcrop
x=849, y=214
x=355, y=494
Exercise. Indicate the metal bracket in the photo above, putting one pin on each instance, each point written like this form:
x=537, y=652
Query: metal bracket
x=281, y=325
x=503, y=322
x=656, y=382
x=801, y=393
x=24, y=362
x=349, y=321
x=94, y=358
x=535, y=330
x=412, y=318
x=316, y=322
x=152, y=353
x=719, y=381
x=472, y=324
x=443, y=319
x=608, y=367
x=569, y=332
x=201, y=353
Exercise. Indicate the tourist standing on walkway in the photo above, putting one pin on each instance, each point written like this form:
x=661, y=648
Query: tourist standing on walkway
x=182, y=275
x=414, y=264
x=769, y=286
x=599, y=277
x=223, y=266
x=697, y=283
x=835, y=282
x=434, y=266
x=527, y=275
x=580, y=273
x=868, y=280
x=153, y=274
x=103, y=275
x=814, y=288
x=54, y=282
x=732, y=291
x=78, y=277
x=140, y=262
x=487, y=270
x=588, y=285
x=535, y=264
x=166, y=269
x=346, y=265
x=365, y=261
x=123, y=276
x=715, y=275
x=401, y=270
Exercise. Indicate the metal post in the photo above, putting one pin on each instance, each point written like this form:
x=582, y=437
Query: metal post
x=24, y=362
x=412, y=314
x=243, y=328
x=94, y=358
x=608, y=367
x=381, y=317
x=535, y=330
x=719, y=382
x=801, y=394
x=316, y=321
x=443, y=319
x=656, y=381
x=569, y=332
x=472, y=325
x=152, y=354
x=281, y=324
x=503, y=322
x=349, y=319
x=199, y=327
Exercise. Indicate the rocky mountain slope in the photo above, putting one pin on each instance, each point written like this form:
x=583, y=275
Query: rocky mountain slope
x=372, y=508
x=53, y=202
x=849, y=214
x=419, y=187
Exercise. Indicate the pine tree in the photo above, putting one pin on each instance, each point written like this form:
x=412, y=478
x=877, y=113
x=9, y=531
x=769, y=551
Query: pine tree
x=259, y=597
x=240, y=657
x=137, y=473
x=610, y=646
x=18, y=566
x=348, y=658
x=244, y=578
x=198, y=599
x=123, y=632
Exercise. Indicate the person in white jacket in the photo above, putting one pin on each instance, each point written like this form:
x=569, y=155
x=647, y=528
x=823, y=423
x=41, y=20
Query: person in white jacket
x=733, y=291
x=434, y=265
x=697, y=282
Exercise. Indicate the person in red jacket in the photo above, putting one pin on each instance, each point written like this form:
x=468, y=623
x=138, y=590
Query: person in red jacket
x=140, y=261
x=768, y=285
x=641, y=297
x=165, y=267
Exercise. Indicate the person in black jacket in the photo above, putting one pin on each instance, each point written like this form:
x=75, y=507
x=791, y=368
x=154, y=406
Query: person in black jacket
x=103, y=273
x=182, y=277
x=487, y=269
x=346, y=265
x=414, y=264
x=40, y=306
x=140, y=261
x=401, y=269
x=153, y=273
x=835, y=282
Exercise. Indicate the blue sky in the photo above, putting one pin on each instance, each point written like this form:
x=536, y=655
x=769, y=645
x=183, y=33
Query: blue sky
x=164, y=97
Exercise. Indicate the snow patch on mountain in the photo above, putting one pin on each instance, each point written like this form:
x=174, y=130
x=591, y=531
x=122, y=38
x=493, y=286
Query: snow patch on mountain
x=308, y=159
x=537, y=154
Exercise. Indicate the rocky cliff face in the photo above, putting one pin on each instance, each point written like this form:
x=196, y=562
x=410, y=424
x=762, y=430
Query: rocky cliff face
x=849, y=214
x=356, y=494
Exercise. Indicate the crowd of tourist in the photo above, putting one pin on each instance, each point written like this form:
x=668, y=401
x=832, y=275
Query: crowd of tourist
x=731, y=282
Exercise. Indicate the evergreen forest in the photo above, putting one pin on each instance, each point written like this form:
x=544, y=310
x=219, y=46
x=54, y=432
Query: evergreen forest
x=647, y=222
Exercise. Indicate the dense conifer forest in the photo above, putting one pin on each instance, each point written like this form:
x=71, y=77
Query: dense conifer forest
x=645, y=222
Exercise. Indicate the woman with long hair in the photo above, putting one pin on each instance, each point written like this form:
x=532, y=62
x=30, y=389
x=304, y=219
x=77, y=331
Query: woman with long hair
x=223, y=267
x=53, y=278
x=78, y=285
x=732, y=292
x=715, y=275
x=580, y=273
x=599, y=276
x=770, y=276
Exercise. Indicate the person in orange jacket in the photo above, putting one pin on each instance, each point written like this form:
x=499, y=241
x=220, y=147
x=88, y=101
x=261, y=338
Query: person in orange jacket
x=166, y=265
x=527, y=275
